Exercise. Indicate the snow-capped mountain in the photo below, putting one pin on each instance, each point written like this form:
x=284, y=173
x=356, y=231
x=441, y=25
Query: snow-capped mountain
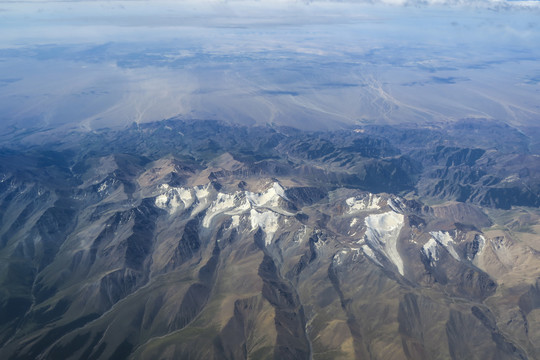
x=177, y=240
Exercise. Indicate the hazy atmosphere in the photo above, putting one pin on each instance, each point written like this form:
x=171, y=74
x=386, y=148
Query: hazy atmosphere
x=274, y=180
x=312, y=65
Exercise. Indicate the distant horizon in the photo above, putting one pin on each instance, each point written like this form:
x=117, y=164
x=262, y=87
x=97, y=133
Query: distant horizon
x=311, y=65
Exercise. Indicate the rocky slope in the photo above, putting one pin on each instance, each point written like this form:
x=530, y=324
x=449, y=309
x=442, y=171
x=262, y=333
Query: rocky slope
x=202, y=240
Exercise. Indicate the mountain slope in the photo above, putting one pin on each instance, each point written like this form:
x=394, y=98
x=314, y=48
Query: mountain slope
x=202, y=240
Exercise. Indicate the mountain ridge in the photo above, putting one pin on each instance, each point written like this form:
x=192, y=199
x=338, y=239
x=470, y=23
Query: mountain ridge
x=286, y=245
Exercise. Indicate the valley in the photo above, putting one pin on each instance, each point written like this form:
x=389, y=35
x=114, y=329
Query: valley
x=204, y=239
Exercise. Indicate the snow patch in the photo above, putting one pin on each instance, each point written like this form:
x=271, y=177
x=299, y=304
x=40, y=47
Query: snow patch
x=232, y=204
x=204, y=197
x=222, y=203
x=366, y=202
x=353, y=222
x=341, y=255
x=174, y=198
x=279, y=190
x=300, y=235
x=267, y=221
x=338, y=257
x=319, y=244
x=479, y=242
x=356, y=253
x=370, y=254
x=382, y=231
x=445, y=240
x=431, y=251
x=186, y=197
x=235, y=221
x=202, y=194
x=269, y=198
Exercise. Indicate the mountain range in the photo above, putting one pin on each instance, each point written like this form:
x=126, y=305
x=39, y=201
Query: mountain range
x=204, y=239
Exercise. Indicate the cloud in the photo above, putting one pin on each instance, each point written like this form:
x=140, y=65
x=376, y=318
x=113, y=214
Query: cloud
x=474, y=3
x=464, y=3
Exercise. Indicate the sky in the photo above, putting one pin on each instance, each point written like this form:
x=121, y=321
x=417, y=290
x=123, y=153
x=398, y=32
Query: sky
x=86, y=65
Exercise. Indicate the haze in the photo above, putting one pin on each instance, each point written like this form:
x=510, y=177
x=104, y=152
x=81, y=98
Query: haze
x=320, y=65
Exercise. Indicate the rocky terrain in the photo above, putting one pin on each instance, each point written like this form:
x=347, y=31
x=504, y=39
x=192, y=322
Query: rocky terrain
x=200, y=240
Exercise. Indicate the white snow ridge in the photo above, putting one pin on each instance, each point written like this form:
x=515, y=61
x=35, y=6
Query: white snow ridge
x=445, y=240
x=264, y=208
x=174, y=198
x=382, y=231
x=431, y=251
x=229, y=204
x=267, y=221
x=235, y=221
x=367, y=250
x=367, y=202
x=269, y=198
x=480, y=240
